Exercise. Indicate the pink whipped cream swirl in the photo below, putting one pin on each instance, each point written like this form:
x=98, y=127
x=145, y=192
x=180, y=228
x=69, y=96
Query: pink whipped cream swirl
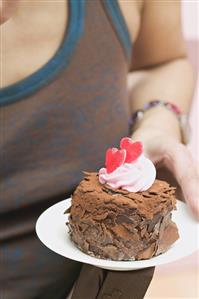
x=133, y=177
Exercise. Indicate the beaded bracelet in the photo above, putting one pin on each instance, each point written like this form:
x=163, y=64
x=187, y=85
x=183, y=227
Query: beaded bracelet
x=183, y=118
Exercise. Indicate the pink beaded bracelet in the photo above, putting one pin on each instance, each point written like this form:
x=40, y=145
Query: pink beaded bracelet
x=183, y=118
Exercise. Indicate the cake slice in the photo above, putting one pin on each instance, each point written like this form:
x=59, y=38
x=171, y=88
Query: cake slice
x=123, y=212
x=121, y=225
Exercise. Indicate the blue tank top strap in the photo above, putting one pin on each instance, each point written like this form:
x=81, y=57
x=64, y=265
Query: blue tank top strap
x=114, y=12
x=60, y=60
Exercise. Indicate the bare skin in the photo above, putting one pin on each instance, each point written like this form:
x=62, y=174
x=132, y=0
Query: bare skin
x=34, y=27
x=7, y=9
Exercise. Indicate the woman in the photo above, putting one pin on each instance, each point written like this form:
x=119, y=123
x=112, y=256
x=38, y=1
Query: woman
x=64, y=100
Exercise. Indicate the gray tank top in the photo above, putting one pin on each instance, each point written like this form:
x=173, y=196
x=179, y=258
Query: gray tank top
x=55, y=124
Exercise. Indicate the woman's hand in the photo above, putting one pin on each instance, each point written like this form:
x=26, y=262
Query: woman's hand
x=166, y=150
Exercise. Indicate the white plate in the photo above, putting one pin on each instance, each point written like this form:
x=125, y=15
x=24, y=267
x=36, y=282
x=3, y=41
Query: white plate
x=53, y=232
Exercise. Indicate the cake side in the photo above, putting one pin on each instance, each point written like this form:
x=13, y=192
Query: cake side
x=120, y=225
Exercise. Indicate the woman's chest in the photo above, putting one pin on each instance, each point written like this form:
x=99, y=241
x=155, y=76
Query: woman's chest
x=30, y=38
x=28, y=44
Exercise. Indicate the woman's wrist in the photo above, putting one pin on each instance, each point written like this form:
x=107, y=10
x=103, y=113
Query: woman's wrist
x=158, y=121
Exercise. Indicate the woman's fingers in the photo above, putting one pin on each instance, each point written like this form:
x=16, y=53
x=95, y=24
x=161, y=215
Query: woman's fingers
x=179, y=160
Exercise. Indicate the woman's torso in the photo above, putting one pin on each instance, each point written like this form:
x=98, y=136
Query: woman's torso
x=57, y=123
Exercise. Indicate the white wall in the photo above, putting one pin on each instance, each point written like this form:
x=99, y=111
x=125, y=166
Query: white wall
x=190, y=22
x=190, y=16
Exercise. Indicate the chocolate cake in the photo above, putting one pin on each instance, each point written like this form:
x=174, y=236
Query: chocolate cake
x=120, y=225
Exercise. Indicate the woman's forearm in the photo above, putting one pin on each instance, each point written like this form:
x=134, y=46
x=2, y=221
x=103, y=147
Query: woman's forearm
x=171, y=82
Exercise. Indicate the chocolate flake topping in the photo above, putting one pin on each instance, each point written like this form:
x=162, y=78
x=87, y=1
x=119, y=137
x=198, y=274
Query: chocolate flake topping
x=121, y=225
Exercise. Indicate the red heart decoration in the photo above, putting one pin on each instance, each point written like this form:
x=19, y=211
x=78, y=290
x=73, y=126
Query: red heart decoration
x=114, y=159
x=133, y=149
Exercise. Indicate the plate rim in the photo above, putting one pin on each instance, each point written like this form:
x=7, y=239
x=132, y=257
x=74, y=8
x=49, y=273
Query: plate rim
x=108, y=264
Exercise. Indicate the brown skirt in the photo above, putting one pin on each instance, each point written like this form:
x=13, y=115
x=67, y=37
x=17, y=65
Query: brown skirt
x=96, y=283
